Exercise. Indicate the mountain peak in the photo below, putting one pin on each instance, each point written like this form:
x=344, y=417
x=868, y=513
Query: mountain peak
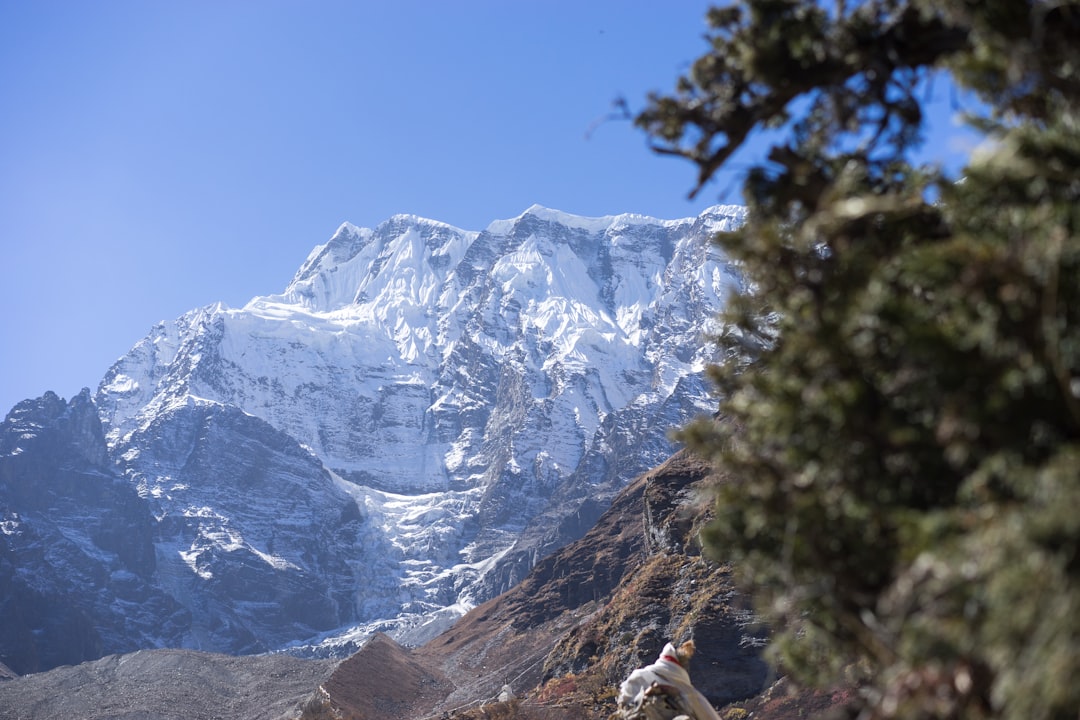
x=557, y=217
x=450, y=405
x=408, y=219
x=347, y=229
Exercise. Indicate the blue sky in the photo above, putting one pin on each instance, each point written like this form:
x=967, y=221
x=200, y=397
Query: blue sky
x=157, y=156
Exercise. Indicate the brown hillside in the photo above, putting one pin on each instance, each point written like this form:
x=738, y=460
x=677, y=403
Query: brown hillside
x=386, y=681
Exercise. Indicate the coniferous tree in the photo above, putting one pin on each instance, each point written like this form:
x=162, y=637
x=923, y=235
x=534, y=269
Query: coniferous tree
x=899, y=410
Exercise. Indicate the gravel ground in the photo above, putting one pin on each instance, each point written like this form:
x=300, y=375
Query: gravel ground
x=166, y=685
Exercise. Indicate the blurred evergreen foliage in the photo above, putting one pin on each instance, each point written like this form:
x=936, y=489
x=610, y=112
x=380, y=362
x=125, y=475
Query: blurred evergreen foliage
x=900, y=397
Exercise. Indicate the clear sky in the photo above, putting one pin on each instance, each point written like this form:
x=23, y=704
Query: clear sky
x=157, y=156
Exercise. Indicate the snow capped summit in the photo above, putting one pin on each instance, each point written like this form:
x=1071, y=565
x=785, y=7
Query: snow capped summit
x=416, y=419
x=358, y=265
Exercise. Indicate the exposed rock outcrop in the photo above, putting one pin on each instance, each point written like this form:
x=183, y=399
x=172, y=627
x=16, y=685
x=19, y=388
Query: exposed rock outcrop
x=77, y=559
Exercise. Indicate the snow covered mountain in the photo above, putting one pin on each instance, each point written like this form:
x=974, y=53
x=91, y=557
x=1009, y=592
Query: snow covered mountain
x=417, y=419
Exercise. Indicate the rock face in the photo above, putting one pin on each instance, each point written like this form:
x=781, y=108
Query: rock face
x=421, y=416
x=252, y=534
x=77, y=559
x=93, y=562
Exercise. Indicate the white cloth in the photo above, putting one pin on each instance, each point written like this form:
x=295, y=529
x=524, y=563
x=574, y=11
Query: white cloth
x=668, y=672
